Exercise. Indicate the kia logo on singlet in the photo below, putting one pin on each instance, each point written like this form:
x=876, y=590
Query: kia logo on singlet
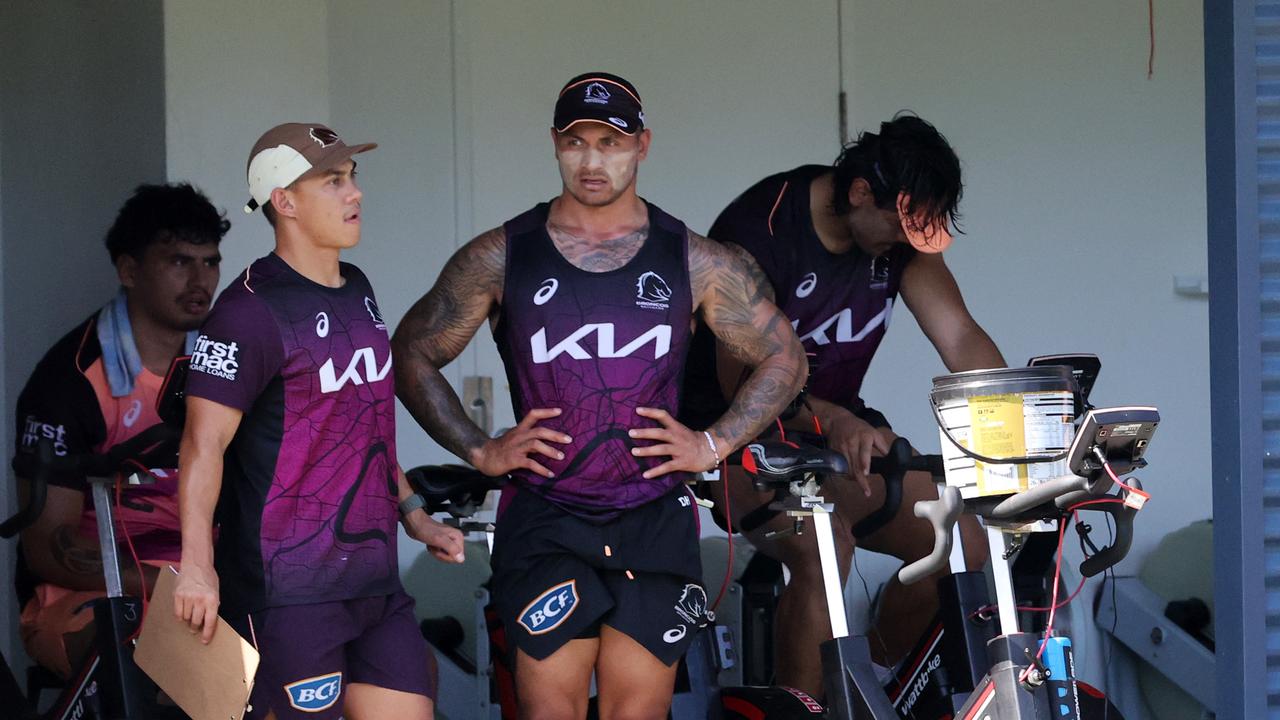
x=315, y=694
x=843, y=322
x=550, y=609
x=362, y=368
x=659, y=335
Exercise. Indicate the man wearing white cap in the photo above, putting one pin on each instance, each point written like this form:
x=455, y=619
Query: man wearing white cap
x=291, y=434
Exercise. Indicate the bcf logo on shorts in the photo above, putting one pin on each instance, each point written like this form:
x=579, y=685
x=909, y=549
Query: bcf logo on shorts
x=550, y=609
x=315, y=694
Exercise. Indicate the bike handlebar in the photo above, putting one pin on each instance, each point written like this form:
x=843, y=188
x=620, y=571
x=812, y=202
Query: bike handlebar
x=893, y=467
x=942, y=514
x=39, y=466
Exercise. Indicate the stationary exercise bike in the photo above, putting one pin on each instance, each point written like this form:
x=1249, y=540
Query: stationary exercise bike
x=1028, y=677
x=107, y=685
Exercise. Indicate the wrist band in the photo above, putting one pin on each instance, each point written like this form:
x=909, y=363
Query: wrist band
x=411, y=503
x=712, y=444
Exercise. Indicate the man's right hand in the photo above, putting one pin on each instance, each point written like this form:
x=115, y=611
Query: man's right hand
x=195, y=600
x=516, y=447
x=856, y=439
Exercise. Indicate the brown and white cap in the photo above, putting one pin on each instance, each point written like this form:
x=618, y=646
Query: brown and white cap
x=289, y=152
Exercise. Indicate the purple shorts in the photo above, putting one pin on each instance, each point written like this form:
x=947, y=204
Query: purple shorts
x=310, y=653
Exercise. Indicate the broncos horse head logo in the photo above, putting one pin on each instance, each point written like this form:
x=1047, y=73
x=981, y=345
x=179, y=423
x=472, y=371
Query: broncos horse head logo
x=650, y=287
x=692, y=606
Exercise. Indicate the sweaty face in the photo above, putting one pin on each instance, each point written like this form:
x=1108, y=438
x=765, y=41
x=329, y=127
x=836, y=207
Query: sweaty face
x=173, y=282
x=327, y=207
x=597, y=163
x=875, y=229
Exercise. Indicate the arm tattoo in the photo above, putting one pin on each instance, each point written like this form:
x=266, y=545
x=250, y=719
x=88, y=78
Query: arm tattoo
x=735, y=301
x=73, y=555
x=437, y=329
x=597, y=256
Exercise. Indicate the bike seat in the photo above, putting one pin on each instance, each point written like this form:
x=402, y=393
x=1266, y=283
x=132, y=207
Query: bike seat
x=443, y=486
x=777, y=462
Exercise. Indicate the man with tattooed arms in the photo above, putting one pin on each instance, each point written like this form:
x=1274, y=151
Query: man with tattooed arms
x=592, y=299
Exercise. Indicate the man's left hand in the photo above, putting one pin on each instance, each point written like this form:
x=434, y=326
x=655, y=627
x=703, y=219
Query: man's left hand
x=444, y=541
x=688, y=449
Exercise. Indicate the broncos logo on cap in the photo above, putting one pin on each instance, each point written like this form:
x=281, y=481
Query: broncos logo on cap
x=324, y=136
x=597, y=93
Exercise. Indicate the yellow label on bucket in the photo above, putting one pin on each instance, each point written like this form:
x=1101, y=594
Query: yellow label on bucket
x=997, y=431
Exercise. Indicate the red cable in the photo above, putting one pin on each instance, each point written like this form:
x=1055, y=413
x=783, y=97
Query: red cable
x=1057, y=576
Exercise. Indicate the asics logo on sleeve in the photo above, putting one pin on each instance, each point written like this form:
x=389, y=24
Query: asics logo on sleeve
x=550, y=609
x=315, y=694
x=215, y=358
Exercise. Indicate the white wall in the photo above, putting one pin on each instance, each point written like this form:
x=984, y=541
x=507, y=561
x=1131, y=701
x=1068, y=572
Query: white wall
x=1085, y=196
x=79, y=128
x=732, y=91
x=390, y=81
x=232, y=71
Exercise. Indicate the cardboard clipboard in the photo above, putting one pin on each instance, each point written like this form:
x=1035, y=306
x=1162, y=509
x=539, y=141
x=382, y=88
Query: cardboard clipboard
x=209, y=682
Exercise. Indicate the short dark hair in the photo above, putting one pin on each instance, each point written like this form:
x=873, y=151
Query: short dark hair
x=908, y=155
x=164, y=213
x=269, y=212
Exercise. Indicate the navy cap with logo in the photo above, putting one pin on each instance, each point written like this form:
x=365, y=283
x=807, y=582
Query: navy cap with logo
x=602, y=98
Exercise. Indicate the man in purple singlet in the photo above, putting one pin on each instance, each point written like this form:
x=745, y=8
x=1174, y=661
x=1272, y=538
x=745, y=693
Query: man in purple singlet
x=839, y=244
x=592, y=298
x=291, y=434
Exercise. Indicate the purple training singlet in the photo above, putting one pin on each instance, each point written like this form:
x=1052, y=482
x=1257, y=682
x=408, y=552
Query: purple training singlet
x=308, y=506
x=597, y=345
x=840, y=305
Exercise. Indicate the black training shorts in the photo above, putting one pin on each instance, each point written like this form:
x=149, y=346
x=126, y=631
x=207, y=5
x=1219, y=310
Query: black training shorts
x=558, y=576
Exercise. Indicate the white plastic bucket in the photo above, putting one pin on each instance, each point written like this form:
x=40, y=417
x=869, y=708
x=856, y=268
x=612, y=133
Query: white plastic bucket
x=1004, y=431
